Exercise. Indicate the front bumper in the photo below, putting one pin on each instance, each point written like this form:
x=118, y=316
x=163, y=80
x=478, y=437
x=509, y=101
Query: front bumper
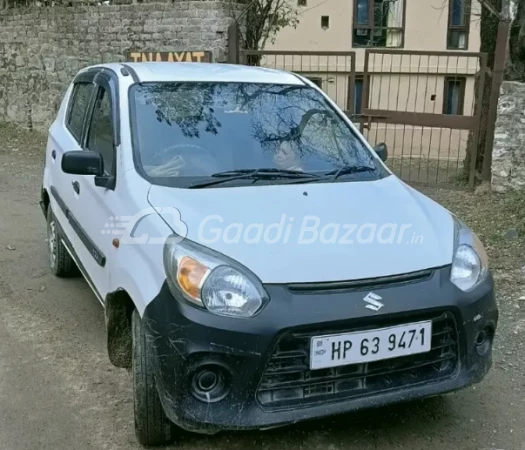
x=185, y=339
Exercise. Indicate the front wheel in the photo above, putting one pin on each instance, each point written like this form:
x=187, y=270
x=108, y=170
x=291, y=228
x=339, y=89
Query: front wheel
x=152, y=427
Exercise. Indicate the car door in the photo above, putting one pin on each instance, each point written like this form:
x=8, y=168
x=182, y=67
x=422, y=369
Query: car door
x=95, y=199
x=66, y=134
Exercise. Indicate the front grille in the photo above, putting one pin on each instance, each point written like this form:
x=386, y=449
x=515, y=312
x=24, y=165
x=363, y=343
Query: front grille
x=362, y=284
x=289, y=382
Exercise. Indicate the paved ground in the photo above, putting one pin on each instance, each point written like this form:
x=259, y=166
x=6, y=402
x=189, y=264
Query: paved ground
x=58, y=390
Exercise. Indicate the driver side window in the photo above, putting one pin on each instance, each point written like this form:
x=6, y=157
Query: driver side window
x=100, y=134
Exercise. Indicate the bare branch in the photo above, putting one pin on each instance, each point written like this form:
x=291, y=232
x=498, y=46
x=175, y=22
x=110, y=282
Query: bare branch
x=244, y=10
x=273, y=17
x=260, y=20
x=486, y=4
x=297, y=131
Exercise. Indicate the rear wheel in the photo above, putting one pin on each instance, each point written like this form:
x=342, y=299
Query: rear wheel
x=60, y=261
x=152, y=427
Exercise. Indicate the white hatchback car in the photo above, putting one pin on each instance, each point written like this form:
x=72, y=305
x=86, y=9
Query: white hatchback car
x=257, y=261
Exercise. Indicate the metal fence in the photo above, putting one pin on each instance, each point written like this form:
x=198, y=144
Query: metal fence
x=421, y=104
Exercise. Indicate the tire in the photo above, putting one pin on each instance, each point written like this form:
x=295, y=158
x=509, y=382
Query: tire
x=152, y=426
x=60, y=261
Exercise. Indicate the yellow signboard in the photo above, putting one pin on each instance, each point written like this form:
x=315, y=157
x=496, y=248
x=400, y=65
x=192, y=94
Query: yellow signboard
x=189, y=56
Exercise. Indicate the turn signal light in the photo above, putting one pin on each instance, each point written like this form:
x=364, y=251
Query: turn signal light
x=191, y=275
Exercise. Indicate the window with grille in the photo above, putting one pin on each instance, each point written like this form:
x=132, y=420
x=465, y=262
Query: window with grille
x=379, y=23
x=454, y=95
x=458, y=24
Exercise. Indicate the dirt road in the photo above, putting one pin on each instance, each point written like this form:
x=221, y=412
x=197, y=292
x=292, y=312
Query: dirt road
x=58, y=390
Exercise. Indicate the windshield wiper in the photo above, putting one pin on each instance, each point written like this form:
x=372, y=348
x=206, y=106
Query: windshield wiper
x=345, y=170
x=255, y=174
x=335, y=174
x=266, y=170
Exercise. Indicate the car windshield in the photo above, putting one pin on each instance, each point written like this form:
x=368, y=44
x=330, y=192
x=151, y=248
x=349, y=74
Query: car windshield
x=187, y=132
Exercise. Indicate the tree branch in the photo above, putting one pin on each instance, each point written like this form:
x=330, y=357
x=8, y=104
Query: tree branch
x=272, y=15
x=486, y=4
x=244, y=10
x=296, y=131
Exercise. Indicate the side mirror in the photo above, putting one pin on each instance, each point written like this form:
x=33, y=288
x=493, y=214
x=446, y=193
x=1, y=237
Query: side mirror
x=83, y=163
x=382, y=151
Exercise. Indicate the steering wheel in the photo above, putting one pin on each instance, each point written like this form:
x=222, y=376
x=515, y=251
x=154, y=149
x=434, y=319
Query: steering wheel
x=181, y=160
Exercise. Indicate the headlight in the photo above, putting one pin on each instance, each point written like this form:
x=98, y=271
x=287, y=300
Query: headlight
x=470, y=263
x=211, y=280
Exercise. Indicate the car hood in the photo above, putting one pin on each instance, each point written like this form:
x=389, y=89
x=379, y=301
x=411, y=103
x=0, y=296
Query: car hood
x=316, y=232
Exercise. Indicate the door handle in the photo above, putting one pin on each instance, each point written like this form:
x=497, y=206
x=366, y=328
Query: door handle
x=54, y=154
x=76, y=187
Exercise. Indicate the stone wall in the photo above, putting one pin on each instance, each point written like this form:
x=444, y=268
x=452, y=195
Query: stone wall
x=41, y=48
x=508, y=157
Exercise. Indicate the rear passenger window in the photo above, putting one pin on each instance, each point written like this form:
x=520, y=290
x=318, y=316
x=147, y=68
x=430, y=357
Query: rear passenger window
x=77, y=110
x=100, y=134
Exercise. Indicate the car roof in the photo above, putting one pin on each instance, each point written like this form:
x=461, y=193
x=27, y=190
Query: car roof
x=206, y=72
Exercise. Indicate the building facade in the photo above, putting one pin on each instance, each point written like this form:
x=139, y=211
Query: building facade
x=423, y=60
x=344, y=25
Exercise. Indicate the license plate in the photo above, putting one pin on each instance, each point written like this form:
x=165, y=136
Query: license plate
x=372, y=345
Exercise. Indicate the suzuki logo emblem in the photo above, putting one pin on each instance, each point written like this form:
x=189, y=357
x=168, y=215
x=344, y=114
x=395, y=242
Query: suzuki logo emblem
x=373, y=301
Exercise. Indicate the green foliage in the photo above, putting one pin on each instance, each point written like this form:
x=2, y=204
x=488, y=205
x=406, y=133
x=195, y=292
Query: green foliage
x=261, y=20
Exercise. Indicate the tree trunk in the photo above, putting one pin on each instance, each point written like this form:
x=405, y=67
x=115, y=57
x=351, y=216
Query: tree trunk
x=254, y=31
x=516, y=63
x=488, y=34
